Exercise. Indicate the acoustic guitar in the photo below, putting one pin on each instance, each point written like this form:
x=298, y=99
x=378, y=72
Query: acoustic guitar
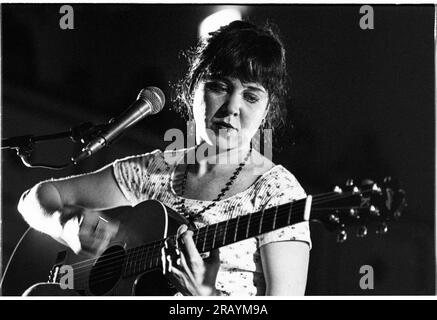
x=133, y=262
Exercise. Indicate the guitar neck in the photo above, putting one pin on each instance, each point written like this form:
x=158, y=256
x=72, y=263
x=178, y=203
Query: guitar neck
x=149, y=256
x=247, y=226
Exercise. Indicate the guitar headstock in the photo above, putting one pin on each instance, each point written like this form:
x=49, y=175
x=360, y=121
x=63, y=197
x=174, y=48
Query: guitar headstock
x=362, y=207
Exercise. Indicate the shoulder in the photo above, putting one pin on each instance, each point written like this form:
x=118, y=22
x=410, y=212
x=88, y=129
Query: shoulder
x=151, y=161
x=140, y=158
x=272, y=175
x=278, y=185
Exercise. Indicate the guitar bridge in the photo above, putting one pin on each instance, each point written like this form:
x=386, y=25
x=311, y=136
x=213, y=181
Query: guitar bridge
x=54, y=272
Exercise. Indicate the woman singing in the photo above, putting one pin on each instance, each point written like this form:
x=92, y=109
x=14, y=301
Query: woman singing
x=235, y=86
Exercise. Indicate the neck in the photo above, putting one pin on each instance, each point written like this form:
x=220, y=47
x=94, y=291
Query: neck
x=209, y=158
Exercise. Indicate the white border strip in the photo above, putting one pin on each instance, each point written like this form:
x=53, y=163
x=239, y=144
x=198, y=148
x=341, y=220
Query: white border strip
x=227, y=2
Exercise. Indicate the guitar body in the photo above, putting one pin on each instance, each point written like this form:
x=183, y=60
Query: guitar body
x=143, y=223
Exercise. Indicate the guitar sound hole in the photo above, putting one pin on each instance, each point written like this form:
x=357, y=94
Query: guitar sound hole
x=106, y=271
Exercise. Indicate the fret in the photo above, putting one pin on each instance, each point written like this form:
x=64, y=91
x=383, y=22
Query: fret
x=205, y=237
x=248, y=224
x=219, y=234
x=158, y=256
x=215, y=232
x=141, y=259
x=201, y=238
x=241, y=228
x=231, y=229
x=133, y=261
x=151, y=258
x=289, y=213
x=129, y=266
x=226, y=229
x=255, y=220
x=274, y=218
x=137, y=258
x=146, y=254
x=196, y=236
x=236, y=228
x=144, y=258
x=261, y=222
x=126, y=261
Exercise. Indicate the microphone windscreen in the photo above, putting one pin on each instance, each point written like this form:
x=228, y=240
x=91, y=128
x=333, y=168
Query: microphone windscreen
x=155, y=96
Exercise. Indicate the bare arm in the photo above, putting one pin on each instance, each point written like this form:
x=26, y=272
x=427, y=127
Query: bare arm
x=285, y=266
x=50, y=204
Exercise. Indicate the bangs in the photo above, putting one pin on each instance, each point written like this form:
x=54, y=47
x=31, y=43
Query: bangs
x=246, y=57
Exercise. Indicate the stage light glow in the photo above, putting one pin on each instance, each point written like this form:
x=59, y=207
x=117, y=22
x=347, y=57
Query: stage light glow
x=218, y=19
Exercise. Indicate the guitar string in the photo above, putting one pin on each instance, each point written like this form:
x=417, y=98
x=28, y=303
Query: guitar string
x=317, y=199
x=200, y=233
x=140, y=265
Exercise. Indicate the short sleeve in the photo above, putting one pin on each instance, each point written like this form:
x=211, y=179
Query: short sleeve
x=132, y=175
x=285, y=188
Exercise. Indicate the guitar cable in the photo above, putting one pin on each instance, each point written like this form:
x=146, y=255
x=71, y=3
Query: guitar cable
x=10, y=258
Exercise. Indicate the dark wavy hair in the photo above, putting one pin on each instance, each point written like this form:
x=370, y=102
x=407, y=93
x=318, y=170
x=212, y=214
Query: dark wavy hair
x=244, y=51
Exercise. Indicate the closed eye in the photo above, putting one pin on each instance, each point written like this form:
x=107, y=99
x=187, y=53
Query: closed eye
x=251, y=98
x=216, y=86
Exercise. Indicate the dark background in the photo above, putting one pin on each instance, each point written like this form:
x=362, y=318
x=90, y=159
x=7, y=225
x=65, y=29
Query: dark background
x=361, y=105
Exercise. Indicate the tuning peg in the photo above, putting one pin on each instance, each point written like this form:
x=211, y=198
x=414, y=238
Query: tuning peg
x=382, y=228
x=374, y=211
x=354, y=213
x=334, y=218
x=376, y=188
x=362, y=232
x=338, y=190
x=349, y=182
x=342, y=236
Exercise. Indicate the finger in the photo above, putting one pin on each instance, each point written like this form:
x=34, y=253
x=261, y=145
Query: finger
x=70, y=212
x=178, y=279
x=102, y=244
x=182, y=228
x=102, y=234
x=214, y=256
x=70, y=234
x=184, y=266
x=193, y=255
x=106, y=229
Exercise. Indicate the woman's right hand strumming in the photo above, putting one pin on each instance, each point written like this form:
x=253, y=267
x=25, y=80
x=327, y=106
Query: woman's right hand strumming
x=86, y=231
x=69, y=210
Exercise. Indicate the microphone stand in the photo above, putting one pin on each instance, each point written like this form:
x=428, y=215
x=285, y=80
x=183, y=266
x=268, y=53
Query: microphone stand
x=24, y=145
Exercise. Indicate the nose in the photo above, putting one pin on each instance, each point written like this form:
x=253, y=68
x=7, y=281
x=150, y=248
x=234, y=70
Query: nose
x=232, y=104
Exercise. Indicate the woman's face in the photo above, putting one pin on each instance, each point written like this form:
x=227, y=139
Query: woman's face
x=228, y=112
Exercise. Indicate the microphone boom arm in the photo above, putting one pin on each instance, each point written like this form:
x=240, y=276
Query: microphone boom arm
x=24, y=145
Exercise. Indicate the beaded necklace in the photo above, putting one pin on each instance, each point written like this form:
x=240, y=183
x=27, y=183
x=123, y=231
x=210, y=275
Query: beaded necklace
x=191, y=216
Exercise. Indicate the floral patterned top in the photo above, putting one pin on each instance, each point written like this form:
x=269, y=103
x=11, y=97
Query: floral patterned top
x=149, y=176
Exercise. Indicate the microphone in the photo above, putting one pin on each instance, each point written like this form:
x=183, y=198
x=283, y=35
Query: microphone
x=150, y=100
